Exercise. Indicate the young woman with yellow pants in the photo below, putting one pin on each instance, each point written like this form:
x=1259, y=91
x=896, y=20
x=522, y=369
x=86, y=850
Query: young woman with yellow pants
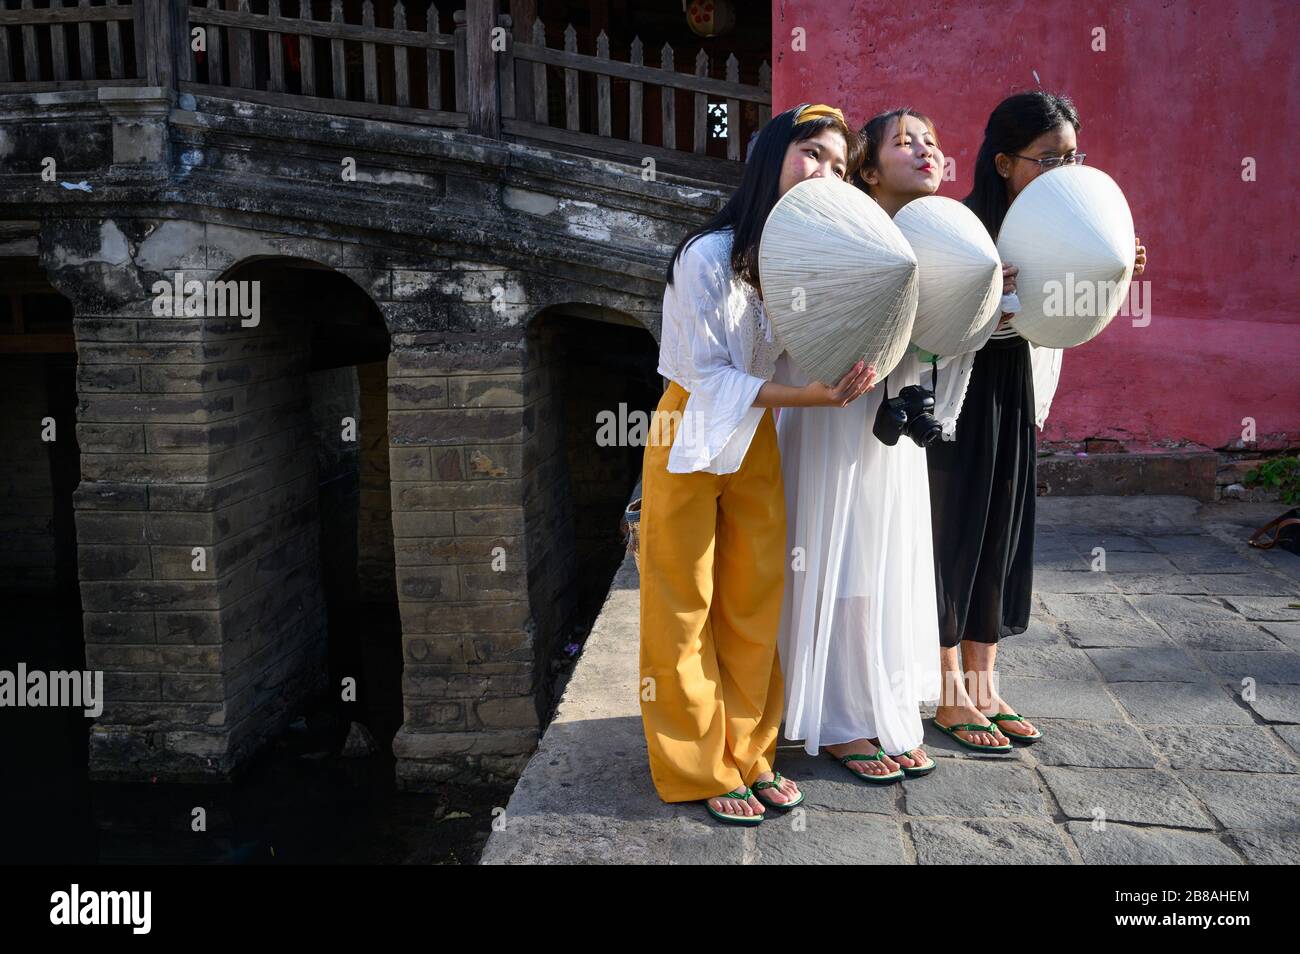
x=712, y=526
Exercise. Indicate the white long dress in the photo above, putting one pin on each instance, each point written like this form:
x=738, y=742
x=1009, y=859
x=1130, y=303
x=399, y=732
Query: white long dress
x=859, y=636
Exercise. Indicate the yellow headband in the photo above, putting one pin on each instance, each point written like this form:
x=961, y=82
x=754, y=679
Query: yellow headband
x=817, y=110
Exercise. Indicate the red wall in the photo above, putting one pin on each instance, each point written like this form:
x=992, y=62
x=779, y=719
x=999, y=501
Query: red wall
x=1183, y=92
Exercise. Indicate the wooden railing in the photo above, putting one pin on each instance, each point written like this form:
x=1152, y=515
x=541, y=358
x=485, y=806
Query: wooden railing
x=537, y=123
x=70, y=44
x=287, y=57
x=397, y=64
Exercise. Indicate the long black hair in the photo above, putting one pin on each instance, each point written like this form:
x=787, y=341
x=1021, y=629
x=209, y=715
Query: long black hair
x=746, y=211
x=1016, y=122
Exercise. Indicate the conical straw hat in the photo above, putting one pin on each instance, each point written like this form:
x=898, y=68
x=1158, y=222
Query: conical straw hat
x=1070, y=233
x=839, y=280
x=960, y=275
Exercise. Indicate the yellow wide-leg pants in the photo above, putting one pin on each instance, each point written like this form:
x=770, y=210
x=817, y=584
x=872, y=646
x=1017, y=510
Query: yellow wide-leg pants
x=712, y=551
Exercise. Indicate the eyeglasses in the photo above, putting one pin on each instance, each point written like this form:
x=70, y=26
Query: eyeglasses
x=1054, y=161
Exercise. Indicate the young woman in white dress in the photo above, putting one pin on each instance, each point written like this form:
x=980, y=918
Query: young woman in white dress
x=859, y=640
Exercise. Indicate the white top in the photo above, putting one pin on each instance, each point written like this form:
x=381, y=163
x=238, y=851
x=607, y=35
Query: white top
x=718, y=344
x=1046, y=365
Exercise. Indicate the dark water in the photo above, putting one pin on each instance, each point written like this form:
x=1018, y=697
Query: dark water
x=299, y=801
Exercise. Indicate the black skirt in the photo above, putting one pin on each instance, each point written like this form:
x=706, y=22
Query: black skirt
x=982, y=494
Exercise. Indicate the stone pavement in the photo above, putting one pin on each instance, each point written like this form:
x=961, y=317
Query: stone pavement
x=1155, y=752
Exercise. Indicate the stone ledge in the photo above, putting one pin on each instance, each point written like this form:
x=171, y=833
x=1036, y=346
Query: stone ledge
x=1189, y=472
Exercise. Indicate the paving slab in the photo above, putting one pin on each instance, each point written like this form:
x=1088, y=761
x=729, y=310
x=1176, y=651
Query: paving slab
x=1289, y=633
x=1092, y=744
x=1227, y=748
x=1179, y=703
x=1051, y=661
x=1169, y=611
x=1268, y=608
x=1141, y=796
x=1290, y=734
x=988, y=842
x=806, y=838
x=1265, y=667
x=1267, y=848
x=1142, y=664
x=968, y=789
x=1274, y=702
x=1248, y=800
x=1154, y=583
x=1113, y=542
x=1060, y=699
x=1227, y=636
x=1064, y=581
x=1258, y=583
x=1089, y=633
x=1089, y=606
x=1113, y=844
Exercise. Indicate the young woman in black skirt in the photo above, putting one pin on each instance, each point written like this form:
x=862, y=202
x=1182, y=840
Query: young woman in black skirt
x=983, y=483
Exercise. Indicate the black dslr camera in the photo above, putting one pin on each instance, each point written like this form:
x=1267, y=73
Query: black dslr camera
x=909, y=413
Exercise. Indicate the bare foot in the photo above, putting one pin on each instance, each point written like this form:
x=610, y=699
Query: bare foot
x=727, y=805
x=952, y=715
x=787, y=791
x=1010, y=726
x=886, y=766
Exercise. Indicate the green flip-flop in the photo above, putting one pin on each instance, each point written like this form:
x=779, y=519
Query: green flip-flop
x=1012, y=717
x=916, y=771
x=952, y=730
x=741, y=793
x=760, y=787
x=866, y=776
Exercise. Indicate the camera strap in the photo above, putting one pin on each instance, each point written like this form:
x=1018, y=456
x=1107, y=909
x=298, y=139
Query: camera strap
x=934, y=379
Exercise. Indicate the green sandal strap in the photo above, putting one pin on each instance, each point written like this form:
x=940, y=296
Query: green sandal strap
x=1006, y=717
x=740, y=793
x=776, y=781
x=878, y=757
x=965, y=727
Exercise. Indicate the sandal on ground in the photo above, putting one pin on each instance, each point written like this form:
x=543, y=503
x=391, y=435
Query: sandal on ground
x=1012, y=717
x=952, y=730
x=867, y=776
x=742, y=794
x=915, y=771
x=760, y=787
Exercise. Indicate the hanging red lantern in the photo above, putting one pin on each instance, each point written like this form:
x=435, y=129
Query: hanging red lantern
x=709, y=18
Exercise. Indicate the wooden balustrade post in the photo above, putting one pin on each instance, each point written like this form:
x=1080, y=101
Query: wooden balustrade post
x=162, y=30
x=482, y=88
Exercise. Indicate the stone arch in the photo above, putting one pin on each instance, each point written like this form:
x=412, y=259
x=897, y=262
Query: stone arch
x=323, y=349
x=206, y=619
x=486, y=546
x=596, y=373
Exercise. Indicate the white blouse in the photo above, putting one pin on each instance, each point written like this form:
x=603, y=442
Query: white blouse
x=1046, y=365
x=718, y=344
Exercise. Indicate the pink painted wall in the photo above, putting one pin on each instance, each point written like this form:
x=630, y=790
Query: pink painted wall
x=1183, y=92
